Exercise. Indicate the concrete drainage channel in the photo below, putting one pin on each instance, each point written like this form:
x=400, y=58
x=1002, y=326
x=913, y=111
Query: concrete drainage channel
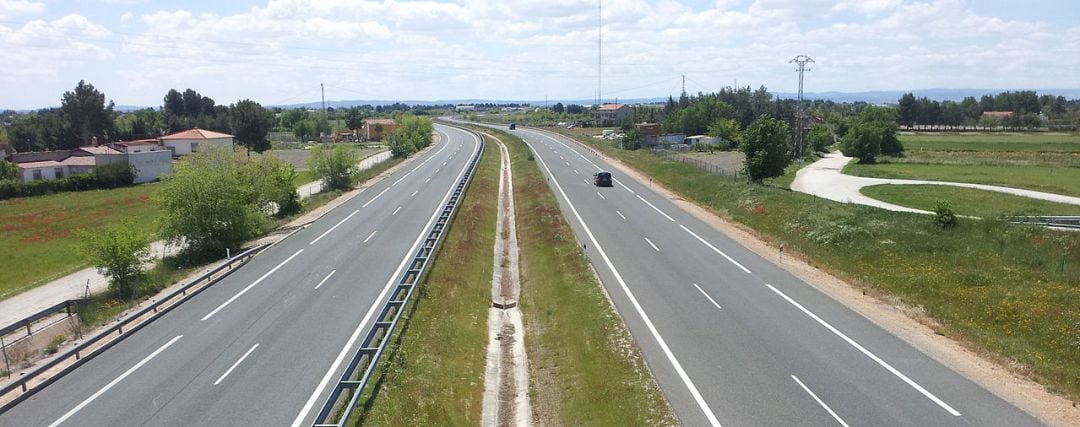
x=506, y=380
x=345, y=396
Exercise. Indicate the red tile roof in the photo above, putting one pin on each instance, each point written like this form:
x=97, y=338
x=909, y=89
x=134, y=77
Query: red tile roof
x=380, y=121
x=611, y=107
x=197, y=134
x=137, y=142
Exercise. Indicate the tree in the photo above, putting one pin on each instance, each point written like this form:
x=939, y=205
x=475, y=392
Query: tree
x=631, y=139
x=766, y=148
x=251, y=122
x=400, y=147
x=334, y=167
x=274, y=182
x=8, y=171
x=728, y=132
x=820, y=138
x=118, y=251
x=354, y=118
x=558, y=108
x=87, y=114
x=209, y=204
x=907, y=110
x=863, y=141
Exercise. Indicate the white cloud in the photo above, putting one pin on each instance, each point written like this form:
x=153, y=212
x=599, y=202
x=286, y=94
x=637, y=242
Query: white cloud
x=9, y=8
x=530, y=48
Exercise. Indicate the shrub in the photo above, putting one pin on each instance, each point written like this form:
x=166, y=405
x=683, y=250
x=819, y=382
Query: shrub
x=119, y=252
x=334, y=167
x=944, y=215
x=55, y=343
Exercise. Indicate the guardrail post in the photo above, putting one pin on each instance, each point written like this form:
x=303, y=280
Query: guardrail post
x=7, y=363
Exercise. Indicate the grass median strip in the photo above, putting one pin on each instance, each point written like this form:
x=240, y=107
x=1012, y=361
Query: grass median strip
x=1009, y=291
x=434, y=372
x=583, y=366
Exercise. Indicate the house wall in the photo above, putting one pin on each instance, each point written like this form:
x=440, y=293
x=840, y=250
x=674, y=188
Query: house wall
x=47, y=173
x=150, y=165
x=207, y=144
x=179, y=147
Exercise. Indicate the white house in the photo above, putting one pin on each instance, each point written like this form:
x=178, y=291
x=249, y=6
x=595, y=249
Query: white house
x=195, y=140
x=138, y=146
x=62, y=163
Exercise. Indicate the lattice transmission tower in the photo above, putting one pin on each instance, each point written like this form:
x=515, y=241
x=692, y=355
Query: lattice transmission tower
x=800, y=114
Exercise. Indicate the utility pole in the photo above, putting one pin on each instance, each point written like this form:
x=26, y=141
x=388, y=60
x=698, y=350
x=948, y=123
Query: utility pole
x=322, y=89
x=684, y=84
x=801, y=60
x=599, y=50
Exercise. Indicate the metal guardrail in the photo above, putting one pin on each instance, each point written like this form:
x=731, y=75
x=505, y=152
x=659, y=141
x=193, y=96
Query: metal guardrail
x=95, y=345
x=28, y=323
x=1057, y=221
x=366, y=358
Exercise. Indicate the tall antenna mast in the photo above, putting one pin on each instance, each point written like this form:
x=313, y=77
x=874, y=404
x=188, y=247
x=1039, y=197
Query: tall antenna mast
x=599, y=49
x=801, y=60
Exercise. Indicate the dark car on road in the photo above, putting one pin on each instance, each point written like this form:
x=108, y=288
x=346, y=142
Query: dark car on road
x=602, y=179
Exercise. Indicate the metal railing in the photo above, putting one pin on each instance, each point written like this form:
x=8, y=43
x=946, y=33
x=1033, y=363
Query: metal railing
x=1057, y=221
x=95, y=345
x=366, y=358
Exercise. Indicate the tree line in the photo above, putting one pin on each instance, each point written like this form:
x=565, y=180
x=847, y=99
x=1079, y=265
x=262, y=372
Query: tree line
x=1026, y=110
x=84, y=117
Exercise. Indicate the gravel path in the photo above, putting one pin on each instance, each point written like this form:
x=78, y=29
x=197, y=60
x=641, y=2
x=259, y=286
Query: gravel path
x=824, y=179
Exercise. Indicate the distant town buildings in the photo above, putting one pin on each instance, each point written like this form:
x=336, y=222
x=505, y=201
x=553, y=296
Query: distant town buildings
x=611, y=114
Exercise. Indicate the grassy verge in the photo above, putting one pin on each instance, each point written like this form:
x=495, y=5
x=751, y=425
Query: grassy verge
x=434, y=373
x=37, y=234
x=583, y=366
x=967, y=201
x=996, y=287
x=1059, y=180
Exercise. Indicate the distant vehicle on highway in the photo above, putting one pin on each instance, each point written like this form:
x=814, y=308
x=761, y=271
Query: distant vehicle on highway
x=602, y=179
x=513, y=126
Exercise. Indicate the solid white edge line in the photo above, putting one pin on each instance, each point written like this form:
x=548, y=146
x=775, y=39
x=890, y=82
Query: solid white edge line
x=234, y=365
x=652, y=244
x=332, y=228
x=113, y=383
x=401, y=179
x=872, y=356
x=378, y=301
x=325, y=279
x=707, y=296
x=370, y=236
x=252, y=285
x=823, y=405
x=624, y=186
x=637, y=306
x=715, y=249
x=655, y=208
x=376, y=197
x=621, y=215
x=396, y=211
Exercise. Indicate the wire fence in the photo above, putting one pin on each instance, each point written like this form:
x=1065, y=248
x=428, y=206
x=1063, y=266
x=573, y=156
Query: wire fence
x=699, y=163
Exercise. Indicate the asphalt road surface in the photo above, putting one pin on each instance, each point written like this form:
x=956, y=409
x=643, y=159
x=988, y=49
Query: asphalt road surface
x=265, y=345
x=736, y=340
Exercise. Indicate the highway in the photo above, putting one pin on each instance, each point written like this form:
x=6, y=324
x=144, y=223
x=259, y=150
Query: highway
x=732, y=338
x=266, y=344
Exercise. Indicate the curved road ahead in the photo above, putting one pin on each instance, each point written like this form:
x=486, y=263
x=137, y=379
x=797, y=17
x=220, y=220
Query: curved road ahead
x=257, y=348
x=733, y=339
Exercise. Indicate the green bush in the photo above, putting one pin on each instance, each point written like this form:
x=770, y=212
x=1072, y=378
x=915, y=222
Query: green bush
x=944, y=215
x=55, y=343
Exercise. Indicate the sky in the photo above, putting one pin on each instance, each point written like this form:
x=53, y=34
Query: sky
x=280, y=51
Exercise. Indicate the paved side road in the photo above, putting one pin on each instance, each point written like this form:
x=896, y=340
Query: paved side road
x=824, y=178
x=75, y=285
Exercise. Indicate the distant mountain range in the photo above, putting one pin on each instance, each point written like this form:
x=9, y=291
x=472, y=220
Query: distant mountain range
x=873, y=97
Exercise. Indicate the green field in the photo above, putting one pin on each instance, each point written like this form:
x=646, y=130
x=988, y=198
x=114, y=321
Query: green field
x=1059, y=142
x=1009, y=290
x=1059, y=180
x=967, y=201
x=37, y=234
